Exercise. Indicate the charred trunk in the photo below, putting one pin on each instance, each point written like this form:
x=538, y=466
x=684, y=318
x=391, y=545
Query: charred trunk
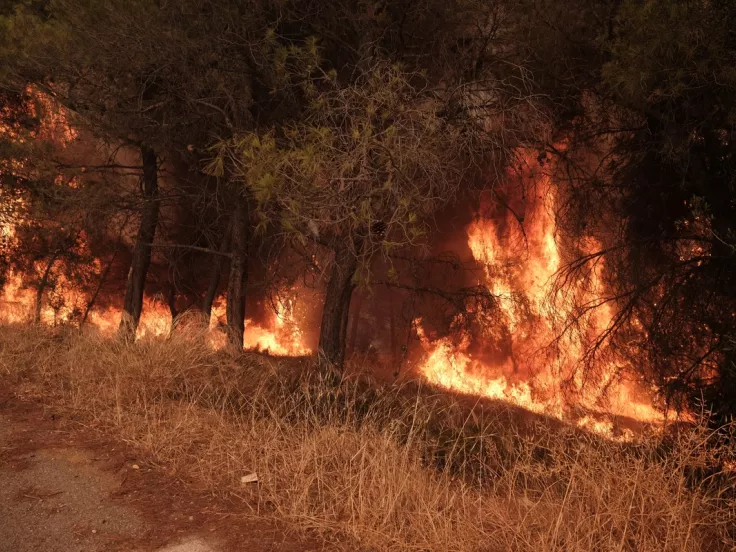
x=238, y=280
x=171, y=302
x=337, y=307
x=133, y=304
x=216, y=274
x=355, y=325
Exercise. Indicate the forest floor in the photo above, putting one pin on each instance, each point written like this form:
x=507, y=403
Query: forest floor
x=64, y=488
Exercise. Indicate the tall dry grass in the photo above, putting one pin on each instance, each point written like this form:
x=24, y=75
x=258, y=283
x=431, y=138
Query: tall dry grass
x=373, y=468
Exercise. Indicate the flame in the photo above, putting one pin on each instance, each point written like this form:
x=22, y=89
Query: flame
x=520, y=259
x=284, y=336
x=63, y=301
x=518, y=252
x=280, y=335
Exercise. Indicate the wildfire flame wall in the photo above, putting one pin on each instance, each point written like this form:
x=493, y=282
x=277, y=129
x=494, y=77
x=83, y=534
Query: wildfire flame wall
x=509, y=338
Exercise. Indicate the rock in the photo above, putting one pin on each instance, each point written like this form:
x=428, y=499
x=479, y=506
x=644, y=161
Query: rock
x=250, y=478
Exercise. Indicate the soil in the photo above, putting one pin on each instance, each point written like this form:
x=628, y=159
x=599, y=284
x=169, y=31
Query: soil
x=66, y=488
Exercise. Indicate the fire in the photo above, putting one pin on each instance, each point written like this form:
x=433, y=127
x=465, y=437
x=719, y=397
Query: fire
x=280, y=335
x=284, y=336
x=520, y=257
x=447, y=364
x=49, y=295
x=518, y=252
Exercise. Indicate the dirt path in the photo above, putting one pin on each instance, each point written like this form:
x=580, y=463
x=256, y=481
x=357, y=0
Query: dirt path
x=64, y=489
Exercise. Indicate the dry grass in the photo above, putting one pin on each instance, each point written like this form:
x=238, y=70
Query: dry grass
x=382, y=469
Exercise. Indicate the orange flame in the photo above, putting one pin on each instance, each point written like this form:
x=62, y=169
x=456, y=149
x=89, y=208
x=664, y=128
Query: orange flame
x=519, y=261
x=63, y=301
x=280, y=335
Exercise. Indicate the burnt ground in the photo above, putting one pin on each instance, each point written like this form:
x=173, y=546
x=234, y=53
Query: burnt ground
x=66, y=488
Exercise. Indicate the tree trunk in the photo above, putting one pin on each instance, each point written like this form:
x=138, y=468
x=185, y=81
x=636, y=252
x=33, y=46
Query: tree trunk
x=171, y=302
x=215, y=274
x=337, y=306
x=42, y=286
x=238, y=280
x=353, y=342
x=392, y=329
x=133, y=304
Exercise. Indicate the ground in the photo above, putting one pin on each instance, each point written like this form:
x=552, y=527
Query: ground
x=65, y=488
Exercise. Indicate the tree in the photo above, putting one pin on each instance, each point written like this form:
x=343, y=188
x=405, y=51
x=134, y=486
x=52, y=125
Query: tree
x=47, y=222
x=661, y=201
x=133, y=302
x=362, y=173
x=440, y=62
x=187, y=74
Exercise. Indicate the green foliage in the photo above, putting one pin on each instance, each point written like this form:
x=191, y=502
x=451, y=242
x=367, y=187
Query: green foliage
x=670, y=82
x=370, y=152
x=675, y=61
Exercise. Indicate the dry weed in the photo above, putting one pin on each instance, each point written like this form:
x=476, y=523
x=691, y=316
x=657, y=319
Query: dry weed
x=402, y=469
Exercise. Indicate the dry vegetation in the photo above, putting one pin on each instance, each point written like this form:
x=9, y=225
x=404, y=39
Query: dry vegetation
x=381, y=468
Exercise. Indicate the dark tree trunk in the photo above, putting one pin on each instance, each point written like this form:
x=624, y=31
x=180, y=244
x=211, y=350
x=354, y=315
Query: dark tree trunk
x=133, y=304
x=42, y=287
x=238, y=280
x=216, y=273
x=171, y=302
x=353, y=342
x=344, y=323
x=337, y=307
x=392, y=329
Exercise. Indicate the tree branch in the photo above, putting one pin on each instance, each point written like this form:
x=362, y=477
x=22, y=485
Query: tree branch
x=191, y=247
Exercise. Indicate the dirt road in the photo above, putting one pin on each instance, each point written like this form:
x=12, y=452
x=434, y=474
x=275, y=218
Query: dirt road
x=66, y=489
